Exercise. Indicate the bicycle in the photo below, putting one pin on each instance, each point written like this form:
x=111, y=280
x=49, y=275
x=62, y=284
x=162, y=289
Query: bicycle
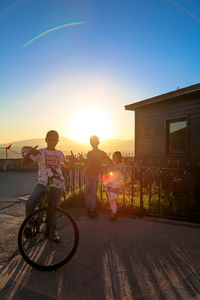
x=34, y=237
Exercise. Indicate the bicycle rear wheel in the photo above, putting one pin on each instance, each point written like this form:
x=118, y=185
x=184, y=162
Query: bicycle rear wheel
x=38, y=249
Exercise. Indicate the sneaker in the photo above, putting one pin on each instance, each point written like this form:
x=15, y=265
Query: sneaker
x=113, y=217
x=55, y=237
x=92, y=214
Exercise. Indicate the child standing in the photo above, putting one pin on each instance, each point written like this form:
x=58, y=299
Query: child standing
x=114, y=182
x=94, y=161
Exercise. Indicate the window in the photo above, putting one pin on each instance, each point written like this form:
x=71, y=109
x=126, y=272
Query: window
x=176, y=136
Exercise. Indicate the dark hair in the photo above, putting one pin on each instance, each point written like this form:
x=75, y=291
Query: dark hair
x=52, y=132
x=94, y=140
x=118, y=155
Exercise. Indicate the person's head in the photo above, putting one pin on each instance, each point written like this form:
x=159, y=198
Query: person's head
x=117, y=157
x=51, y=139
x=94, y=141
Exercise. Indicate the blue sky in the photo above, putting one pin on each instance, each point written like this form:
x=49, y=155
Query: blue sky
x=125, y=51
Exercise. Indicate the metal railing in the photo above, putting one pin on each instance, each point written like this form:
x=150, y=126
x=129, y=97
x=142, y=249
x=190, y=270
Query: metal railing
x=160, y=191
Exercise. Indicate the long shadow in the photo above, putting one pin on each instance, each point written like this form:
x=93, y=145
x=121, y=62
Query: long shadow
x=141, y=267
x=181, y=261
x=185, y=282
x=166, y=273
x=12, y=204
x=15, y=276
x=120, y=280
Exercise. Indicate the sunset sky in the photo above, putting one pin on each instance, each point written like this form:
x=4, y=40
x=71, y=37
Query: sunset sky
x=73, y=65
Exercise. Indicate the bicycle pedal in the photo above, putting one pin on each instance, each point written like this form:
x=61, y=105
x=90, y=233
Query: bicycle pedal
x=55, y=237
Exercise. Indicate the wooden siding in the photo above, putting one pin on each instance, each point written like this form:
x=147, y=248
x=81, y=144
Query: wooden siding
x=150, y=127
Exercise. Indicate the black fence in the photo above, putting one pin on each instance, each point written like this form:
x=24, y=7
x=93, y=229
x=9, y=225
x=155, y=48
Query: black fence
x=172, y=192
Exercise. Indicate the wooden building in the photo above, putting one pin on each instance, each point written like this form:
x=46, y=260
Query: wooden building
x=167, y=127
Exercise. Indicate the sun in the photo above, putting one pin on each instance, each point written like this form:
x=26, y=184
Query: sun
x=90, y=121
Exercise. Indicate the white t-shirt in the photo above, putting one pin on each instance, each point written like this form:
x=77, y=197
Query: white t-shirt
x=49, y=165
x=115, y=178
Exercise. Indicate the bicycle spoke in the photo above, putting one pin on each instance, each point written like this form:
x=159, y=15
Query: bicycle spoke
x=39, y=249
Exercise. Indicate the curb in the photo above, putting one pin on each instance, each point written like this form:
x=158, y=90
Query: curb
x=172, y=222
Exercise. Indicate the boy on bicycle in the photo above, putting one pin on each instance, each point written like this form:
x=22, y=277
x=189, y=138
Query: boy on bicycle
x=49, y=161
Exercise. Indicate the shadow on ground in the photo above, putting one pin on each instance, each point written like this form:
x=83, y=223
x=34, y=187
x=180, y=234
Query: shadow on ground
x=126, y=259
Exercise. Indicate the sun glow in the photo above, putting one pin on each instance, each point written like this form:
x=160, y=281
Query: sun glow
x=90, y=121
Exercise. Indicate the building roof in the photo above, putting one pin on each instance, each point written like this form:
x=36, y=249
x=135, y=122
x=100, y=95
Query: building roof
x=179, y=92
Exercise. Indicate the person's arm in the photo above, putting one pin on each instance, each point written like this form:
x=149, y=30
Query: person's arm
x=68, y=161
x=107, y=158
x=26, y=154
x=66, y=164
x=81, y=159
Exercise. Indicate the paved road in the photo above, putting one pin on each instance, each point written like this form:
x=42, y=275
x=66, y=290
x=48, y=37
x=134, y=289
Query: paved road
x=129, y=258
x=12, y=185
x=15, y=183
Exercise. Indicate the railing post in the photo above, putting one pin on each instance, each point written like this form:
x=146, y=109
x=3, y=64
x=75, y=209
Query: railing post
x=79, y=183
x=159, y=190
x=73, y=181
x=132, y=194
x=101, y=189
x=141, y=189
x=150, y=191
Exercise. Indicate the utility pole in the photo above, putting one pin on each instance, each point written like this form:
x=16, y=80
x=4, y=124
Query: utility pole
x=7, y=148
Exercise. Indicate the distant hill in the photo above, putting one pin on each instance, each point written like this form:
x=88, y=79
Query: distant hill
x=67, y=145
x=118, y=145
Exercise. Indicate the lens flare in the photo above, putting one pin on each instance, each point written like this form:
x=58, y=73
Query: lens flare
x=109, y=177
x=52, y=29
x=10, y=6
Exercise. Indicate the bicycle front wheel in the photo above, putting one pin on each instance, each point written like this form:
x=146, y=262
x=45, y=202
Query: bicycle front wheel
x=38, y=249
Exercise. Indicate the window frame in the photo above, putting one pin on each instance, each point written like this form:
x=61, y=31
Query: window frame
x=167, y=135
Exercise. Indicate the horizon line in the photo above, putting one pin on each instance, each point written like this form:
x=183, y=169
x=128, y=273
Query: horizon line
x=62, y=136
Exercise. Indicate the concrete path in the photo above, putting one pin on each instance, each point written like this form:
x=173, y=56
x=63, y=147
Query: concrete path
x=13, y=184
x=129, y=258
